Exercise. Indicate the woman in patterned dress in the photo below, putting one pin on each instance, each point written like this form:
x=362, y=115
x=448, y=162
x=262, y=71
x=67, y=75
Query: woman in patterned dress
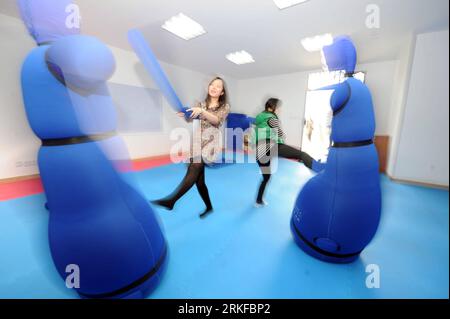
x=207, y=145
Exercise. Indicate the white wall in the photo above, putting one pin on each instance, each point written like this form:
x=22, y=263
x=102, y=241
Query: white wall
x=423, y=151
x=18, y=144
x=291, y=89
x=400, y=94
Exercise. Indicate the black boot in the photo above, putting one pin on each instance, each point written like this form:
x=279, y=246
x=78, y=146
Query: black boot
x=166, y=203
x=207, y=211
x=307, y=160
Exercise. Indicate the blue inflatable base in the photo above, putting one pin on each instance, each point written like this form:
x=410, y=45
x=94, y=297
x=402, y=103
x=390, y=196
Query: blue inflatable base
x=141, y=288
x=315, y=251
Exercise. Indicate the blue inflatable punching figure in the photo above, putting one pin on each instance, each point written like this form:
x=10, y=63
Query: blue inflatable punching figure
x=337, y=212
x=99, y=224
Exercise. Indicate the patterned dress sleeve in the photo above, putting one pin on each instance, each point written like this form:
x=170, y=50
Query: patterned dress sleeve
x=222, y=114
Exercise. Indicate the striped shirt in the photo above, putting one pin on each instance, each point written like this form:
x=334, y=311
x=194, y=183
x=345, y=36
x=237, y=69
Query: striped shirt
x=275, y=124
x=264, y=147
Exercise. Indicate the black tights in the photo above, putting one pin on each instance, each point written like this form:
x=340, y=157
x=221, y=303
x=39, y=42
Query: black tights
x=195, y=175
x=284, y=151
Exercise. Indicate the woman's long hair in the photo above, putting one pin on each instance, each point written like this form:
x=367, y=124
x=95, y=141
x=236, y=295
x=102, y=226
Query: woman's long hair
x=223, y=99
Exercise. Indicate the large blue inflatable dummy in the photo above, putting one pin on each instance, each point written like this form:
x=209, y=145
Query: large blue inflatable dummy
x=239, y=123
x=99, y=223
x=337, y=212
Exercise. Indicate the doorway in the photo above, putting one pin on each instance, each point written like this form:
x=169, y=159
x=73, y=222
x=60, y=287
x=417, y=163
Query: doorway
x=318, y=113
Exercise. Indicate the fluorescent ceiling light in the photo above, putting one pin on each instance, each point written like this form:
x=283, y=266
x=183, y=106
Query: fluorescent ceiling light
x=318, y=42
x=283, y=4
x=184, y=27
x=241, y=57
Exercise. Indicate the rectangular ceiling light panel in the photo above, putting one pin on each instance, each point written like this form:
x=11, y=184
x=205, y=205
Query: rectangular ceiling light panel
x=316, y=43
x=183, y=27
x=283, y=4
x=241, y=57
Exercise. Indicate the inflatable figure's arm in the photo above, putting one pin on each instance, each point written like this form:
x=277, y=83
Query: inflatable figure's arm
x=83, y=62
x=340, y=97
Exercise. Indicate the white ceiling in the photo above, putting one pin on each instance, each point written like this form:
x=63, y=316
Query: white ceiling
x=271, y=35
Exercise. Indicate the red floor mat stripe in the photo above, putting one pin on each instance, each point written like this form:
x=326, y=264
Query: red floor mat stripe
x=32, y=186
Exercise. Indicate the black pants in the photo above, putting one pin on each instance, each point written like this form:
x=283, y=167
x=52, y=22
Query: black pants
x=195, y=175
x=267, y=151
